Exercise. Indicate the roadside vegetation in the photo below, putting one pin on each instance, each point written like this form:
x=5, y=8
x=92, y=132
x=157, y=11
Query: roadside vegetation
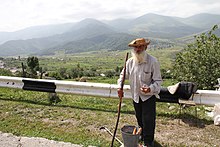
x=199, y=61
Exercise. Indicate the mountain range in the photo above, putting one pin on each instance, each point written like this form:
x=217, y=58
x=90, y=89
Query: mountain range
x=90, y=34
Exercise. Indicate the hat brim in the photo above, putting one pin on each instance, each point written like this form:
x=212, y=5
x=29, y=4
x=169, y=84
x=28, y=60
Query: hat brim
x=133, y=44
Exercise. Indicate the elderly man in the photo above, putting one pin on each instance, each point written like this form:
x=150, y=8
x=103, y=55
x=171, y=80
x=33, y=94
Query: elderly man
x=143, y=72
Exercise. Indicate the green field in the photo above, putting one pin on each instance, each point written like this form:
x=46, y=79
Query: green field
x=99, y=60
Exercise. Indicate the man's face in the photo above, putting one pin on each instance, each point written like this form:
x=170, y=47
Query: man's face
x=139, y=49
x=138, y=53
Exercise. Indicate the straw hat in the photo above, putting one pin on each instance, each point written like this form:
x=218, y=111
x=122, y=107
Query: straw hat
x=139, y=42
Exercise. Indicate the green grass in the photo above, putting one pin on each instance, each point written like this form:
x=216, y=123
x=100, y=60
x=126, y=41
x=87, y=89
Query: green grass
x=76, y=119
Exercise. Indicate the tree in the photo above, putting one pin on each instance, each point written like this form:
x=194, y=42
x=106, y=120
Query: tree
x=62, y=72
x=33, y=65
x=55, y=75
x=200, y=61
x=118, y=70
x=109, y=73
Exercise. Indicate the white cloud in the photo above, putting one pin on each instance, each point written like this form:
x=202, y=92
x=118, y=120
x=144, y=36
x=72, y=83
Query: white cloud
x=17, y=14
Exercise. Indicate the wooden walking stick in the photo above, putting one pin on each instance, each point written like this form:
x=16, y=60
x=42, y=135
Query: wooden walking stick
x=120, y=98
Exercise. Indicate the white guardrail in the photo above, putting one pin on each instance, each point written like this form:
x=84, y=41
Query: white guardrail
x=203, y=97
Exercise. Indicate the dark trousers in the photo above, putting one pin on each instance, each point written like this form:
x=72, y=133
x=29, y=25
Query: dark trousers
x=146, y=115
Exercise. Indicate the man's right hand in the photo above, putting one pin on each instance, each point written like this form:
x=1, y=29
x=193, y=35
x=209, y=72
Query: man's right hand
x=120, y=93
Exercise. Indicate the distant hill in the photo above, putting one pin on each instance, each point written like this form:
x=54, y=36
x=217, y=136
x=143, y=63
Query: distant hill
x=35, y=32
x=153, y=25
x=203, y=21
x=159, y=26
x=112, y=41
x=91, y=34
x=85, y=29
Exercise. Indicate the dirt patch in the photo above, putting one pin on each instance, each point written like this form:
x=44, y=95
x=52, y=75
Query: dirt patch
x=186, y=133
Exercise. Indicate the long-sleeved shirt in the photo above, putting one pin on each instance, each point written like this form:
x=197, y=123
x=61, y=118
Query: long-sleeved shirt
x=139, y=74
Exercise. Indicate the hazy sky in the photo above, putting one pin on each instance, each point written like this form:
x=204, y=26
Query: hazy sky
x=19, y=14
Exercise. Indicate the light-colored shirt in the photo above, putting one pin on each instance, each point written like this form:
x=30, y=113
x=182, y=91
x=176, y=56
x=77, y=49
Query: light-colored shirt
x=139, y=74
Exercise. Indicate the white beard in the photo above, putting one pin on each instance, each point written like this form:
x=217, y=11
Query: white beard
x=138, y=58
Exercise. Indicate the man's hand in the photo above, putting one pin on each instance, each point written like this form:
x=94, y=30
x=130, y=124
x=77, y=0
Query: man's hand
x=120, y=93
x=145, y=89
